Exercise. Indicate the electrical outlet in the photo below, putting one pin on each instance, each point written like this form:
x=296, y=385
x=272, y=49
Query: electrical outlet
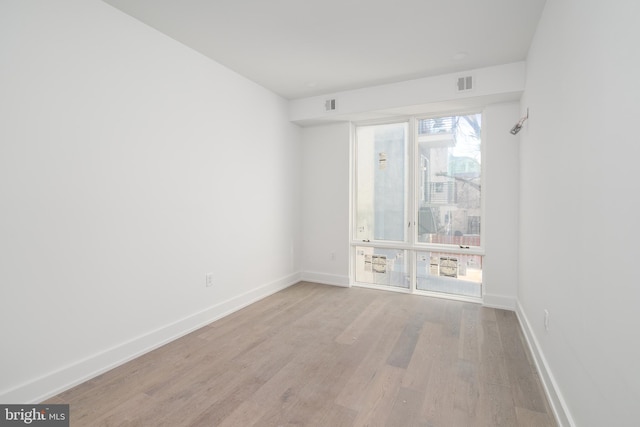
x=546, y=320
x=208, y=280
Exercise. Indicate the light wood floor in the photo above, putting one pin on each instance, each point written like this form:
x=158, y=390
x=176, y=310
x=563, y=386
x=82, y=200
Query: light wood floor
x=315, y=355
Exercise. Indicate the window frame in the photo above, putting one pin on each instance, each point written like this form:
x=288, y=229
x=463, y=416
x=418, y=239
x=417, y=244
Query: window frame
x=411, y=243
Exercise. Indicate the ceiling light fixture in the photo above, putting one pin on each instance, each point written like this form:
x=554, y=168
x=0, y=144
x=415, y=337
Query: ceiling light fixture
x=460, y=56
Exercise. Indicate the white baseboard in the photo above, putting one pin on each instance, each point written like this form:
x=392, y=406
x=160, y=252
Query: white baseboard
x=80, y=371
x=326, y=279
x=499, y=301
x=558, y=404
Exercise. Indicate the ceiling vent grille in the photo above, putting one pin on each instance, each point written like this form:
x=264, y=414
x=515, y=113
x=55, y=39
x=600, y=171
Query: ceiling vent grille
x=330, y=105
x=464, y=84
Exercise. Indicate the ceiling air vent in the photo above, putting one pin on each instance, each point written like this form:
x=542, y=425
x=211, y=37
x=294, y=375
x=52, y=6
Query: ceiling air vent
x=464, y=84
x=330, y=105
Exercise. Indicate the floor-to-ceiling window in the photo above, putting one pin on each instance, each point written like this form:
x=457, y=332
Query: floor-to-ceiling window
x=417, y=216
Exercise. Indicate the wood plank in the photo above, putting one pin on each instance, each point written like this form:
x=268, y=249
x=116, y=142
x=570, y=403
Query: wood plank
x=525, y=385
x=466, y=396
x=527, y=418
x=362, y=323
x=405, y=345
x=492, y=364
x=417, y=373
x=387, y=329
x=470, y=330
x=439, y=395
x=510, y=334
x=495, y=407
x=322, y=380
x=379, y=398
x=406, y=408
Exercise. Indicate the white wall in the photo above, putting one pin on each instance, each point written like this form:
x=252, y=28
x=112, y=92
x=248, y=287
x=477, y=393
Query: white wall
x=500, y=188
x=325, y=207
x=579, y=198
x=130, y=166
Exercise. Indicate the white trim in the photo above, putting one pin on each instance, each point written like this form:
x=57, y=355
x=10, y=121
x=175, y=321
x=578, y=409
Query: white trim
x=452, y=297
x=352, y=201
x=556, y=399
x=326, y=279
x=80, y=371
x=499, y=301
x=386, y=288
x=411, y=204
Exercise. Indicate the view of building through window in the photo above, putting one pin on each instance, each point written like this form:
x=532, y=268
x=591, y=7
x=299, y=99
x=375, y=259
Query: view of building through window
x=450, y=189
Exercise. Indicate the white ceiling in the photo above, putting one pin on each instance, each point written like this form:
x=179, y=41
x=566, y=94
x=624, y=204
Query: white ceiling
x=300, y=48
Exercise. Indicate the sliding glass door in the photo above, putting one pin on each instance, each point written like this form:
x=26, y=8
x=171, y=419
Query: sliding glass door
x=418, y=205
